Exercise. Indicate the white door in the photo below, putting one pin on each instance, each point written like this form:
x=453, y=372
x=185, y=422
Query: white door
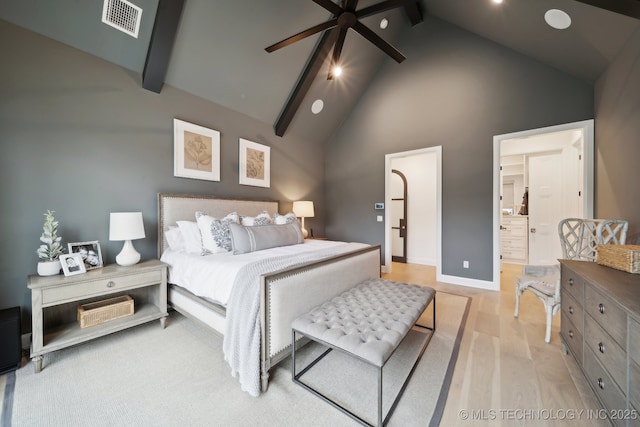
x=545, y=208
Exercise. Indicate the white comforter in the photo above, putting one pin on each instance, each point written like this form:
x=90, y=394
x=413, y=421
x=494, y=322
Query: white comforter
x=212, y=276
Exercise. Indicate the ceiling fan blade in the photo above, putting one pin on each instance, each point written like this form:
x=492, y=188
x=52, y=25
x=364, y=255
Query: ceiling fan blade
x=381, y=7
x=337, y=50
x=330, y=6
x=303, y=34
x=351, y=4
x=379, y=42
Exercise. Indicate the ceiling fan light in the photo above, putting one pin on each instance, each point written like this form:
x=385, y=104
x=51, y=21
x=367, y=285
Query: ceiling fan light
x=557, y=19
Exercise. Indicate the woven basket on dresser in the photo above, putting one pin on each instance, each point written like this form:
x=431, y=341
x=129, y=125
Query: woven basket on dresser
x=620, y=257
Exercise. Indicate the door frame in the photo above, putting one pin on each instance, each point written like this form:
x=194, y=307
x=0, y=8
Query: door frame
x=587, y=127
x=437, y=150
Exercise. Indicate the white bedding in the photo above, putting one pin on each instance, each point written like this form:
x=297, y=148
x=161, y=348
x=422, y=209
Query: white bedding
x=212, y=276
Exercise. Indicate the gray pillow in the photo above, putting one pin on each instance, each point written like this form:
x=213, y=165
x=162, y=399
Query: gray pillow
x=251, y=239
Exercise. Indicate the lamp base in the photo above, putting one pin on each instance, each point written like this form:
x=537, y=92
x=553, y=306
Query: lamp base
x=305, y=233
x=128, y=255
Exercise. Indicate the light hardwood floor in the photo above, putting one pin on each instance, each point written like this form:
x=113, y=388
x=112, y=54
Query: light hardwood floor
x=506, y=374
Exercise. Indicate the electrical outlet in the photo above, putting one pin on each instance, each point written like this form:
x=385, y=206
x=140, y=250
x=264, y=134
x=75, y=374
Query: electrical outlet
x=379, y=218
x=465, y=264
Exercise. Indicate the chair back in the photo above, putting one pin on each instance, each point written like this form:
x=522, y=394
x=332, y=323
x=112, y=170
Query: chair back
x=580, y=237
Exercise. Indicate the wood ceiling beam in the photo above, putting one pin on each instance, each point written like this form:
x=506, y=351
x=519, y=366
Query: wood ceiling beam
x=624, y=7
x=415, y=15
x=164, y=33
x=315, y=62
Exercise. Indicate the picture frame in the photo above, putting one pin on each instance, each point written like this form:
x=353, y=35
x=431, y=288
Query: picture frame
x=72, y=264
x=196, y=151
x=255, y=164
x=90, y=253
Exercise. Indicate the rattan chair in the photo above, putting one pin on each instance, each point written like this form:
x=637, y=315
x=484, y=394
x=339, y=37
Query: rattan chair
x=579, y=239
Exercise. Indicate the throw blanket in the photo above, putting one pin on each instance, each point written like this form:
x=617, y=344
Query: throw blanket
x=241, y=343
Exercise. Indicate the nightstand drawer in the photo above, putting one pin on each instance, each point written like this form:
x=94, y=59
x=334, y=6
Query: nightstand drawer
x=573, y=284
x=96, y=287
x=607, y=391
x=572, y=310
x=608, y=315
x=606, y=351
x=572, y=337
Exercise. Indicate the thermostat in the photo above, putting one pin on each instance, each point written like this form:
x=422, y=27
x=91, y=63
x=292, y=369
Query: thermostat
x=379, y=205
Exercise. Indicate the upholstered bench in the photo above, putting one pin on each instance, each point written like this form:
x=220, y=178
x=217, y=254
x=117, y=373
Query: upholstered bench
x=367, y=322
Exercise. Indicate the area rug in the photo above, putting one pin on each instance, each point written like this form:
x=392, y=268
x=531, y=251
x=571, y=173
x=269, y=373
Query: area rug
x=149, y=376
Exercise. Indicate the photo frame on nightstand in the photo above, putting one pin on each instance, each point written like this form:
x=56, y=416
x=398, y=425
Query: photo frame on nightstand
x=90, y=252
x=72, y=264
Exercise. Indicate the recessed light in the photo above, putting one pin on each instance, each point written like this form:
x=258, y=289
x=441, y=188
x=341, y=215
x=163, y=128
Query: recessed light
x=317, y=106
x=497, y=1
x=337, y=71
x=557, y=19
x=384, y=23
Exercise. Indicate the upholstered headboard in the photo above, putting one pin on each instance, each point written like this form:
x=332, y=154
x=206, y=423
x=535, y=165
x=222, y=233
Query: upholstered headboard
x=182, y=207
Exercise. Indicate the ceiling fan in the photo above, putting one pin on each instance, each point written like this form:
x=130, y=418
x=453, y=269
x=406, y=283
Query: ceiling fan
x=345, y=16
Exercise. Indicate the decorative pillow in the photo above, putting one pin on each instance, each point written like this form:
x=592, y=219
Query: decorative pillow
x=215, y=232
x=174, y=237
x=288, y=218
x=251, y=239
x=263, y=218
x=191, y=236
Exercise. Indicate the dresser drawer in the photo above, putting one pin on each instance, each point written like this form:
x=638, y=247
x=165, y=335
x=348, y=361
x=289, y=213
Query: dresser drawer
x=99, y=286
x=572, y=283
x=608, y=314
x=572, y=337
x=572, y=310
x=606, y=351
x=606, y=390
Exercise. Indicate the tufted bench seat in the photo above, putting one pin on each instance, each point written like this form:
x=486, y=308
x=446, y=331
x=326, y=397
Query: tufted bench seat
x=368, y=322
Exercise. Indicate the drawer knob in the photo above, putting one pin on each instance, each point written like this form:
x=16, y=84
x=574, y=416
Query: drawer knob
x=601, y=308
x=111, y=284
x=570, y=334
x=601, y=347
x=601, y=383
x=570, y=310
x=570, y=282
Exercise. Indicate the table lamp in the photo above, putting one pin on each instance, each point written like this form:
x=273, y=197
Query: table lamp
x=303, y=209
x=126, y=226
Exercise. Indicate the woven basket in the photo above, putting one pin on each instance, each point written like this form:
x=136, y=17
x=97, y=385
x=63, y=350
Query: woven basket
x=103, y=311
x=620, y=257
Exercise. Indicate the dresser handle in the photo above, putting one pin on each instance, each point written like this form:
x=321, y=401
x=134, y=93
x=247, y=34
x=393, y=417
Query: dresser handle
x=601, y=308
x=570, y=282
x=601, y=347
x=111, y=284
x=570, y=310
x=570, y=334
x=600, y=383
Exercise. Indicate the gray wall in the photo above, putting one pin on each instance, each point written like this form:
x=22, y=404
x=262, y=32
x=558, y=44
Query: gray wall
x=617, y=106
x=79, y=135
x=456, y=90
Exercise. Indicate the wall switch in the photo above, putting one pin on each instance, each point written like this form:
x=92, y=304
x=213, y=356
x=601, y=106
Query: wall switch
x=379, y=218
x=465, y=264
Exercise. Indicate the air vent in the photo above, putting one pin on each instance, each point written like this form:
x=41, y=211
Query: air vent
x=122, y=15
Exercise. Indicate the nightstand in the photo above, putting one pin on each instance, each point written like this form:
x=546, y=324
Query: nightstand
x=55, y=300
x=316, y=238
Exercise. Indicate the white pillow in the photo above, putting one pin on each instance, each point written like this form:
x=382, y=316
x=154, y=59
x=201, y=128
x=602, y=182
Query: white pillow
x=263, y=218
x=215, y=232
x=288, y=218
x=174, y=237
x=191, y=236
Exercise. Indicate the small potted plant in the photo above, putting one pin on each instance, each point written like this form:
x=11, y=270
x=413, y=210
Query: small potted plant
x=51, y=248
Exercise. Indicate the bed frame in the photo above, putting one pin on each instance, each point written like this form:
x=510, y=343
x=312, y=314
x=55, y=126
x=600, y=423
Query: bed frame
x=285, y=294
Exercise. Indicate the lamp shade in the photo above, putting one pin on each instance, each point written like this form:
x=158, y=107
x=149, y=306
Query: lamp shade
x=126, y=226
x=303, y=209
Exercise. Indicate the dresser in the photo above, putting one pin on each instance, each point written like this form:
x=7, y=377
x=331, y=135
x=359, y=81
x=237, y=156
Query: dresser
x=514, y=239
x=600, y=328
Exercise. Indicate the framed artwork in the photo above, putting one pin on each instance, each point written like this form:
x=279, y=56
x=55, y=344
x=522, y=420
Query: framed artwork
x=72, y=264
x=196, y=151
x=255, y=164
x=90, y=253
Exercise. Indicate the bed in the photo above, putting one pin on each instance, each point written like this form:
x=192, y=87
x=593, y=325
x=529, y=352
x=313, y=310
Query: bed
x=284, y=294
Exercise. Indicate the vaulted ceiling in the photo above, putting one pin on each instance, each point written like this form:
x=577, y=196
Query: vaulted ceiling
x=218, y=47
